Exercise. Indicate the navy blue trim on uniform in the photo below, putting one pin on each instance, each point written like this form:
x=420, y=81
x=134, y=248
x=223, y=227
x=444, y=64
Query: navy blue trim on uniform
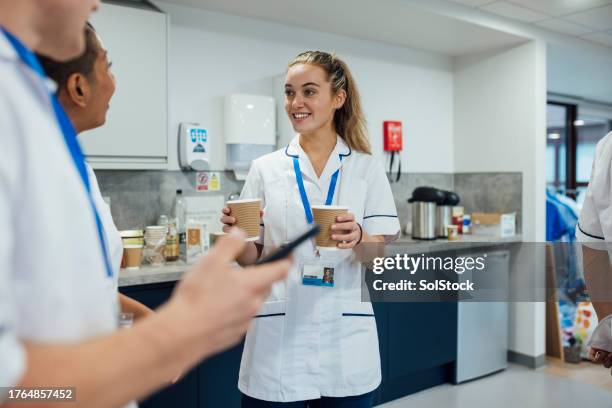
x=349, y=153
x=587, y=234
x=295, y=156
x=358, y=314
x=380, y=215
x=270, y=315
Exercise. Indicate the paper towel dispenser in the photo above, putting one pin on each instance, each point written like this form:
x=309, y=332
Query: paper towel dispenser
x=250, y=130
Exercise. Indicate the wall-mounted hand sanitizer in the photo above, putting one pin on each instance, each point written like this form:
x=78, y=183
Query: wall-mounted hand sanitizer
x=193, y=147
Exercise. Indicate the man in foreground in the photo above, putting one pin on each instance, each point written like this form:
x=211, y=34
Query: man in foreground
x=58, y=314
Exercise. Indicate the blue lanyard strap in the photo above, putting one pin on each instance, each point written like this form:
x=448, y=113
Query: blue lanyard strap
x=304, y=196
x=70, y=138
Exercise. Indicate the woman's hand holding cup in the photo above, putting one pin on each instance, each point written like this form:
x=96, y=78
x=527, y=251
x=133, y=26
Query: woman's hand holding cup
x=228, y=221
x=346, y=231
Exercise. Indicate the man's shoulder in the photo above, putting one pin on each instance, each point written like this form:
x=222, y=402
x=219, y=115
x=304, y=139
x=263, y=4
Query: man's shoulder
x=16, y=95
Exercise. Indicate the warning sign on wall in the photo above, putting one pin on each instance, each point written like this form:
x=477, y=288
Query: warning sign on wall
x=208, y=181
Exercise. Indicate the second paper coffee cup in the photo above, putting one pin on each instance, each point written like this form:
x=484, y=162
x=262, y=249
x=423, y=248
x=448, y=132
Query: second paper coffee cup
x=325, y=216
x=247, y=216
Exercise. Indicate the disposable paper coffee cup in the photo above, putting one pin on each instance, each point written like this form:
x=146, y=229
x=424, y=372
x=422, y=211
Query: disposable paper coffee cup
x=325, y=216
x=247, y=216
x=133, y=256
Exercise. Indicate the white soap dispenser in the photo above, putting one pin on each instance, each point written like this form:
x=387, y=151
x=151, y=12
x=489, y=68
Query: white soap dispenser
x=193, y=147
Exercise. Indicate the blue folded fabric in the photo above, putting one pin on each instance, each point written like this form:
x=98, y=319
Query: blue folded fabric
x=561, y=219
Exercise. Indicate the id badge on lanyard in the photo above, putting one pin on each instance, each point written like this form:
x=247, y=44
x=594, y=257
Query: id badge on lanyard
x=314, y=271
x=318, y=274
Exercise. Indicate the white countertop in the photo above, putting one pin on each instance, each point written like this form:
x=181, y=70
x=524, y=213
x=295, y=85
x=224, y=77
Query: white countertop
x=408, y=245
x=171, y=271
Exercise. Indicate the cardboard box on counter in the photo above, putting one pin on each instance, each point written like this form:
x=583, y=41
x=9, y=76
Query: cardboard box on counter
x=494, y=224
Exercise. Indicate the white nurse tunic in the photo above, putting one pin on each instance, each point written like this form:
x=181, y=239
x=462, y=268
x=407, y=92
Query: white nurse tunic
x=54, y=287
x=113, y=238
x=594, y=227
x=313, y=341
x=595, y=223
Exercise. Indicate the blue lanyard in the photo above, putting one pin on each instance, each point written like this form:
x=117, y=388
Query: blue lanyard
x=300, y=183
x=70, y=138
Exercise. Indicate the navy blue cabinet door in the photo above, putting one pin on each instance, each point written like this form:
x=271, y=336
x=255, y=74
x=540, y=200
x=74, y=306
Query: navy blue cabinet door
x=421, y=336
x=184, y=393
x=218, y=377
x=382, y=325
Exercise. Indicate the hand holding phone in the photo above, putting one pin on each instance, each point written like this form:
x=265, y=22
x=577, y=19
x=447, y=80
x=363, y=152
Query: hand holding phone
x=286, y=250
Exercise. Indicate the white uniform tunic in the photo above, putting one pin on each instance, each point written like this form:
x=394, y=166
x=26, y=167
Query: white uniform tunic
x=594, y=227
x=113, y=239
x=313, y=341
x=595, y=223
x=54, y=286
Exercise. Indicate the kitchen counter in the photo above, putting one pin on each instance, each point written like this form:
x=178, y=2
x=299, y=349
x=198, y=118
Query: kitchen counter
x=173, y=271
x=408, y=364
x=406, y=244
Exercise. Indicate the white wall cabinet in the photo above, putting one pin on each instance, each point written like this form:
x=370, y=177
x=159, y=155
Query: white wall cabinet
x=135, y=134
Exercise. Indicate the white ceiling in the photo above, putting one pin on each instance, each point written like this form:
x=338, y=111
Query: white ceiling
x=587, y=19
x=392, y=21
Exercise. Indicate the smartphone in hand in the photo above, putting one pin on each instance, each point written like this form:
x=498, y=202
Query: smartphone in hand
x=286, y=250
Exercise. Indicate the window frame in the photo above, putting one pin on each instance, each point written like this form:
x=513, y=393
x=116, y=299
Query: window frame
x=571, y=113
x=571, y=145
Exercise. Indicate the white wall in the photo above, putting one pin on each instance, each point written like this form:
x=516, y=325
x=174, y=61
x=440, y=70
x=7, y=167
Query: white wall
x=499, y=111
x=584, y=72
x=575, y=66
x=213, y=54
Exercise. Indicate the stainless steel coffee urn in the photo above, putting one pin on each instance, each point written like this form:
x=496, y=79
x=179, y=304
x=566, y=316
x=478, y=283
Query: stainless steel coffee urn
x=444, y=215
x=424, y=202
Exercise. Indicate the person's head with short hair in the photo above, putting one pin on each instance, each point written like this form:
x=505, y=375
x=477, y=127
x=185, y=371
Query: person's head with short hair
x=85, y=84
x=320, y=93
x=51, y=27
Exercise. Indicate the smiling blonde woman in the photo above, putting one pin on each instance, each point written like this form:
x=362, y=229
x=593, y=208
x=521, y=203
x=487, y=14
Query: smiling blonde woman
x=314, y=343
